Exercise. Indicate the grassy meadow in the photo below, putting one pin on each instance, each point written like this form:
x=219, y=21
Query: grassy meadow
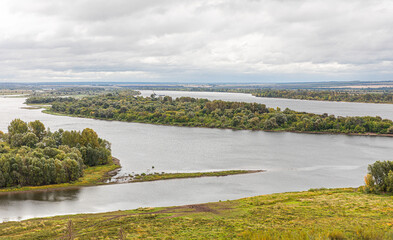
x=314, y=214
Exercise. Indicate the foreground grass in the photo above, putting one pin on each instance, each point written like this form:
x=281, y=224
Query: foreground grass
x=320, y=214
x=92, y=176
x=165, y=176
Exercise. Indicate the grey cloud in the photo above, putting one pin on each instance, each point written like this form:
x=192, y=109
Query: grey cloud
x=190, y=40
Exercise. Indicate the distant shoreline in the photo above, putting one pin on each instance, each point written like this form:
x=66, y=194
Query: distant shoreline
x=275, y=97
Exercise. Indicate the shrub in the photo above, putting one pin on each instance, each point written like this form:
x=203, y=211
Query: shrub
x=370, y=184
x=379, y=177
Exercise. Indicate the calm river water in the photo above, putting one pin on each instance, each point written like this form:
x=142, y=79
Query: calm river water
x=294, y=162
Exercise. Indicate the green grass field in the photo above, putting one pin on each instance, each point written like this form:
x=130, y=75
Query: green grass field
x=318, y=214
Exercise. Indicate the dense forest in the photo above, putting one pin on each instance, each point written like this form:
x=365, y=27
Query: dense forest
x=186, y=111
x=32, y=155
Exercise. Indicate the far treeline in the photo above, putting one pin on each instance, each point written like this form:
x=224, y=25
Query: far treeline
x=186, y=111
x=339, y=96
x=31, y=155
x=366, y=95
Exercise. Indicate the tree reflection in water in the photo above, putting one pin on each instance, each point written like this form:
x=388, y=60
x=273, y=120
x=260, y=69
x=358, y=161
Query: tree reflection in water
x=47, y=196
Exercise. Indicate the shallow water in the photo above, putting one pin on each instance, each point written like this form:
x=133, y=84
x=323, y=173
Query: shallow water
x=294, y=162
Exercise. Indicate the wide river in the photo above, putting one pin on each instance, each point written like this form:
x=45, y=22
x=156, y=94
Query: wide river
x=294, y=162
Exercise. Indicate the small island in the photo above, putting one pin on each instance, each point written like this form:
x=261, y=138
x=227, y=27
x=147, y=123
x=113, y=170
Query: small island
x=191, y=112
x=33, y=157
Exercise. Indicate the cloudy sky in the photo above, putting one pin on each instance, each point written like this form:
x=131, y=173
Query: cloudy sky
x=196, y=41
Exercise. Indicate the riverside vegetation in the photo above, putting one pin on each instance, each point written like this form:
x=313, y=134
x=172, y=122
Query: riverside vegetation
x=30, y=155
x=325, y=95
x=186, y=111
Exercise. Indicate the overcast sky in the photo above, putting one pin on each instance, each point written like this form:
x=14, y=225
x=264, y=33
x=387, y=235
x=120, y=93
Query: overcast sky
x=196, y=41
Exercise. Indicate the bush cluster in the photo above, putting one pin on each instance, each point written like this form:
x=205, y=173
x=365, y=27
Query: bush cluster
x=380, y=177
x=32, y=155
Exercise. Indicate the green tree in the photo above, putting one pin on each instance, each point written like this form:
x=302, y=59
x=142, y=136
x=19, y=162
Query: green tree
x=382, y=176
x=38, y=128
x=30, y=139
x=89, y=136
x=71, y=138
x=72, y=170
x=16, y=140
x=17, y=126
x=270, y=123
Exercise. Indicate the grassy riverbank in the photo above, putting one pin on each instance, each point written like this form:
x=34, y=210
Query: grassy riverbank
x=96, y=175
x=319, y=214
x=167, y=176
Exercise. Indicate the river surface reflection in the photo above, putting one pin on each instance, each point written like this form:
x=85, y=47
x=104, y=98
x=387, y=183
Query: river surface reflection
x=294, y=162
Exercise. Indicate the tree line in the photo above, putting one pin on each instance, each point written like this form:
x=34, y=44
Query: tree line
x=32, y=155
x=341, y=96
x=47, y=100
x=364, y=95
x=186, y=111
